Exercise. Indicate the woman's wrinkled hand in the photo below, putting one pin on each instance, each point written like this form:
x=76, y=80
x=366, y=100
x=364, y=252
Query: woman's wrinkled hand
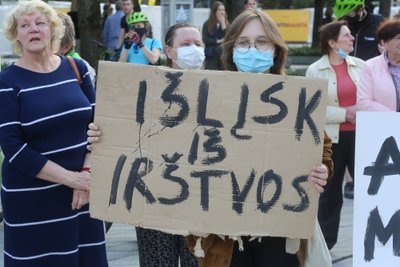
x=93, y=135
x=79, y=199
x=78, y=180
x=318, y=177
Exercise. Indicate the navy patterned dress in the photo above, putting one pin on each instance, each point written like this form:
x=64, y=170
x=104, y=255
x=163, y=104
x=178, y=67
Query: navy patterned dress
x=44, y=116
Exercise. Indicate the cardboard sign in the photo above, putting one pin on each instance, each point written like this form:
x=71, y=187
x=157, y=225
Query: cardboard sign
x=377, y=183
x=207, y=151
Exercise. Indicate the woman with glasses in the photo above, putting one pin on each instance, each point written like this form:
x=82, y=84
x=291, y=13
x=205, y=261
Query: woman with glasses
x=336, y=43
x=253, y=44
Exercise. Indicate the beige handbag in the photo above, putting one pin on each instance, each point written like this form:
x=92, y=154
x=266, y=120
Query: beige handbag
x=317, y=253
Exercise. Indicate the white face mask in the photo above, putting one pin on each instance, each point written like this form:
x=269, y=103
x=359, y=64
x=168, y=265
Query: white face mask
x=190, y=57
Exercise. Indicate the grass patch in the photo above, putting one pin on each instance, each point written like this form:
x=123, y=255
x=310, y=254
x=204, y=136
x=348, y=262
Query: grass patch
x=304, y=51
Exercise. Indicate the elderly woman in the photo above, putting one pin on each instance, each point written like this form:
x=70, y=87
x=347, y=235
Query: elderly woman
x=253, y=44
x=380, y=79
x=336, y=43
x=46, y=175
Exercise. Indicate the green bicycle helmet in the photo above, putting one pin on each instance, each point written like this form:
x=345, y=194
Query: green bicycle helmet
x=137, y=17
x=344, y=7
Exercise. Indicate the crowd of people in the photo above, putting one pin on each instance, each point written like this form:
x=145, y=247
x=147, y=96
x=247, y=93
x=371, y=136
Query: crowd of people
x=46, y=170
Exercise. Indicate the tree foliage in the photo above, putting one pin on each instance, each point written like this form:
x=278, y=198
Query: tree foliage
x=233, y=8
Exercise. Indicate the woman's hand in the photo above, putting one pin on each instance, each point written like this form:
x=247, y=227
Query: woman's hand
x=221, y=20
x=318, y=177
x=93, y=135
x=79, y=199
x=79, y=180
x=351, y=112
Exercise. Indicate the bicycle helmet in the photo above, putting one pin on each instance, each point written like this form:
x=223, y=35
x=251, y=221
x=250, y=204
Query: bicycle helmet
x=137, y=17
x=344, y=7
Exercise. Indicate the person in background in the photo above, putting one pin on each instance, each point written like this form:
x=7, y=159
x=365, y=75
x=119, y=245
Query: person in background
x=73, y=13
x=343, y=74
x=253, y=44
x=67, y=44
x=184, y=49
x=112, y=27
x=362, y=25
x=379, y=88
x=328, y=15
x=128, y=8
x=107, y=11
x=46, y=171
x=213, y=35
x=139, y=49
x=250, y=4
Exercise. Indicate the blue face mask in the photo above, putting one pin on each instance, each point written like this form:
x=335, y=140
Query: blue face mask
x=253, y=61
x=341, y=53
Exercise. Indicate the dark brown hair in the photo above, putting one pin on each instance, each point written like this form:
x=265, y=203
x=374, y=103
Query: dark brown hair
x=329, y=32
x=388, y=29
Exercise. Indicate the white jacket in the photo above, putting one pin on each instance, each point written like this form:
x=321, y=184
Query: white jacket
x=334, y=114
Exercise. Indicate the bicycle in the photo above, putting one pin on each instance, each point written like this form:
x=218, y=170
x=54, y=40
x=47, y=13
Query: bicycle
x=105, y=52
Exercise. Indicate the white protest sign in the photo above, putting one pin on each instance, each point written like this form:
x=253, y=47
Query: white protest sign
x=376, y=239
x=207, y=151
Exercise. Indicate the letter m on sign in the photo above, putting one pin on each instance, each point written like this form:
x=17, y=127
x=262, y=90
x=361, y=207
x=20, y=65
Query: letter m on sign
x=375, y=228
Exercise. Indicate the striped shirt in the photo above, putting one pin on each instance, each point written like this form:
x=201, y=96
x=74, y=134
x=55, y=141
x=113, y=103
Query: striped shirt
x=44, y=116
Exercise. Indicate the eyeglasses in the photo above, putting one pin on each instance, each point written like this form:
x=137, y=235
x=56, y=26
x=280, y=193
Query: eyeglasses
x=261, y=44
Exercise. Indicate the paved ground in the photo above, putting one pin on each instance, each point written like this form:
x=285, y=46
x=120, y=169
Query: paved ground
x=122, y=246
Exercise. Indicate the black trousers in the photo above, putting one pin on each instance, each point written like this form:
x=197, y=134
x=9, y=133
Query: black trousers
x=271, y=252
x=331, y=200
x=159, y=249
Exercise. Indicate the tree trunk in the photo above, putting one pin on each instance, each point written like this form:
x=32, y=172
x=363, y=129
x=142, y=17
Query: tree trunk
x=89, y=23
x=384, y=8
x=318, y=9
x=233, y=8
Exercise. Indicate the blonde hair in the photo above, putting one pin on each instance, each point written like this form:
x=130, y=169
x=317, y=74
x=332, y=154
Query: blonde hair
x=69, y=35
x=271, y=31
x=28, y=7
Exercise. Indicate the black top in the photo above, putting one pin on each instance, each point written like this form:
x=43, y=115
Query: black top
x=366, y=42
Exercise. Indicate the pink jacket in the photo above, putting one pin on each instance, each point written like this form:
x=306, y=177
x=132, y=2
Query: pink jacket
x=376, y=90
